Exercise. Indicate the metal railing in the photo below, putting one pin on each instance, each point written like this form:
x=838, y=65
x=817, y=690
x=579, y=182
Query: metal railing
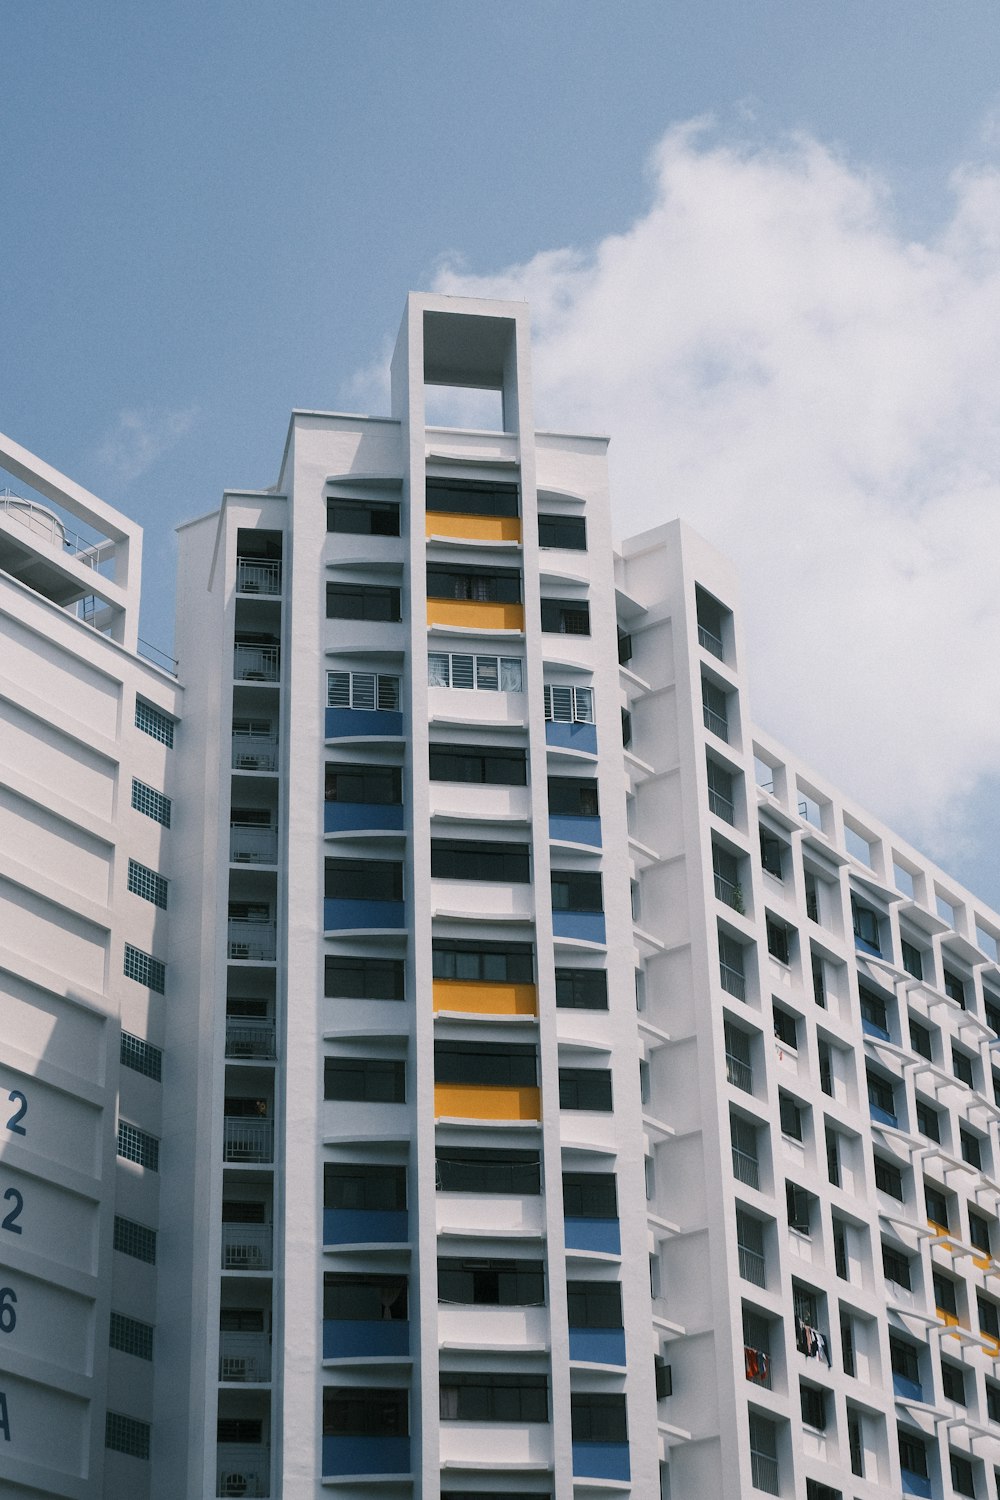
x=249, y=1036
x=729, y=891
x=711, y=642
x=254, y=754
x=46, y=524
x=250, y=844
x=739, y=1073
x=256, y=663
x=721, y=806
x=258, y=576
x=247, y=1247
x=253, y=940
x=244, y=1358
x=247, y=1139
x=764, y=1473
x=243, y=1469
x=732, y=981
x=717, y=723
x=752, y=1265
x=746, y=1168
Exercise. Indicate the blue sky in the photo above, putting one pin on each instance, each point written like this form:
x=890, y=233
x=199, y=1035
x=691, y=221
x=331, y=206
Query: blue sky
x=213, y=212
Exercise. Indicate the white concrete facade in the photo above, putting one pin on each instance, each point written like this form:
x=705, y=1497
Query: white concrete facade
x=565, y=1092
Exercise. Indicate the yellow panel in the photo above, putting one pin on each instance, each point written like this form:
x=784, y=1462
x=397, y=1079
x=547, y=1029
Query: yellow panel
x=950, y=1319
x=482, y=1102
x=476, y=528
x=992, y=1344
x=475, y=615
x=982, y=1261
x=485, y=999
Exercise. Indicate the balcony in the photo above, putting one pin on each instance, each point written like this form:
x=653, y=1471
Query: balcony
x=258, y=576
x=250, y=1036
x=253, y=941
x=601, y=1235
x=757, y=1365
x=255, y=752
x=485, y=1102
x=583, y=926
x=345, y=817
x=475, y=614
x=473, y=528
x=341, y=914
x=256, y=663
x=563, y=736
x=243, y=1469
x=601, y=1461
x=246, y=1139
x=730, y=892
x=732, y=981
x=764, y=1473
x=251, y=844
x=753, y=1267
x=387, y=1454
x=711, y=642
x=247, y=1247
x=244, y=1358
x=365, y=1226
x=350, y=1338
x=716, y=723
x=575, y=830
x=739, y=1073
x=597, y=1346
x=746, y=1168
x=480, y=997
x=722, y=806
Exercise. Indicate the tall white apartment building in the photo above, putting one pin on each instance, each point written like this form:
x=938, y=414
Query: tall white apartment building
x=565, y=1092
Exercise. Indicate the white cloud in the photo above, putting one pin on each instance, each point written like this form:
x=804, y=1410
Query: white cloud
x=138, y=439
x=816, y=394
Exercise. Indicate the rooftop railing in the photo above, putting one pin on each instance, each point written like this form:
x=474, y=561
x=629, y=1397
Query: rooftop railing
x=47, y=526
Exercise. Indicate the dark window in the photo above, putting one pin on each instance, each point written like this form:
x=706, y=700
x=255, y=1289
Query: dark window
x=499, y=963
x=581, y=989
x=364, y=880
x=989, y=1317
x=913, y=961
x=840, y=1260
x=493, y=1397
x=491, y=1283
x=865, y=922
x=361, y=601
x=479, y=585
x=369, y=1299
x=573, y=796
x=664, y=1377
x=847, y=1344
x=818, y=980
x=508, y=864
x=382, y=784
x=791, y=1117
x=993, y=1401
x=786, y=1027
x=241, y=1320
x=585, y=1088
x=367, y=1080
x=979, y=1232
x=880, y=1093
x=813, y=1403
x=239, y=1430
x=953, y=1382
x=798, y=1205
x=777, y=940
x=992, y=1014
x=945, y=1295
x=624, y=647
x=913, y=1455
x=362, y=517
x=598, y=1418
x=954, y=987
x=905, y=1359
x=492, y=766
x=971, y=1148
x=577, y=890
x=358, y=1411
x=962, y=1480
x=590, y=1195
x=710, y=614
x=920, y=1039
x=493, y=1063
x=961, y=1064
x=928, y=1121
x=812, y=896
x=480, y=1170
x=936, y=1205
x=372, y=1186
x=242, y=1211
x=888, y=1178
x=720, y=791
x=873, y=1009
x=565, y=617
x=896, y=1266
x=471, y=497
x=817, y=1491
x=563, y=531
x=715, y=709
x=770, y=854
x=626, y=728
x=594, y=1304
x=364, y=978
x=856, y=1444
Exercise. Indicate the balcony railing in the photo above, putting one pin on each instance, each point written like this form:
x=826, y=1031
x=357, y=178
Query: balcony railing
x=256, y=663
x=51, y=528
x=711, y=642
x=259, y=576
x=729, y=891
x=764, y=1473
x=721, y=805
x=249, y=1036
x=252, y=845
x=716, y=723
x=247, y=1139
x=746, y=1168
x=243, y=1469
x=247, y=1247
x=244, y=1358
x=752, y=1265
x=739, y=1073
x=253, y=940
x=733, y=982
x=254, y=753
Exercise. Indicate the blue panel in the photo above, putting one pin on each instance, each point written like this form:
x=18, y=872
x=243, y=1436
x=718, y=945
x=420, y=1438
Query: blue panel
x=572, y=736
x=915, y=1484
x=597, y=1346
x=365, y=1226
x=867, y=947
x=575, y=830
x=882, y=1115
x=344, y=1338
x=588, y=925
x=601, y=1461
x=870, y=1029
x=366, y=1455
x=594, y=1234
x=339, y=913
x=362, y=721
x=338, y=816
x=910, y=1389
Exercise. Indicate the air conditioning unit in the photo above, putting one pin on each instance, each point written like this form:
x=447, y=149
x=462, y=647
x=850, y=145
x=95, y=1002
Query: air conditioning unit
x=238, y=1367
x=235, y=1483
x=243, y=1257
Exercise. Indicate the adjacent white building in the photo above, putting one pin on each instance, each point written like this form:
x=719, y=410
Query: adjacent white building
x=548, y=1086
